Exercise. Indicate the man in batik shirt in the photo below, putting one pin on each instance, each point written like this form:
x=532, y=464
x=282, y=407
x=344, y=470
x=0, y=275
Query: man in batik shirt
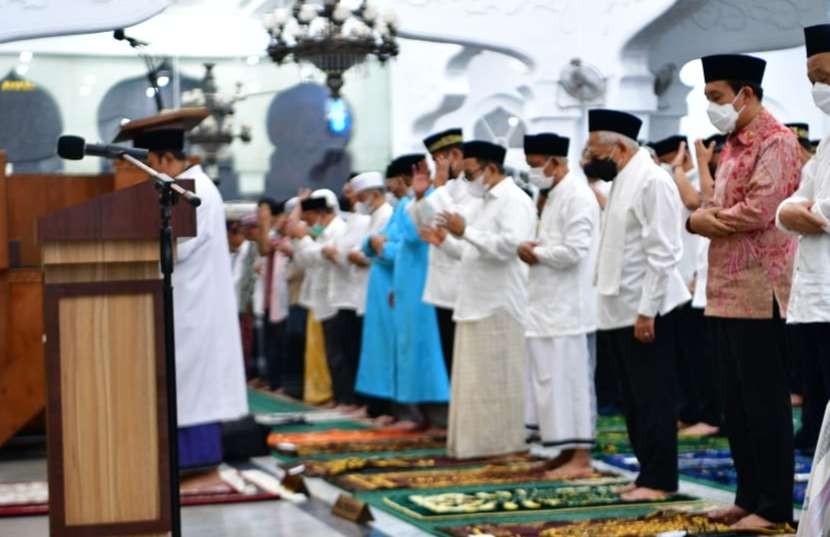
x=750, y=271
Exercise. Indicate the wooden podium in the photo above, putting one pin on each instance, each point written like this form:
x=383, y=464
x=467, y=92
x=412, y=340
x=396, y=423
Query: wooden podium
x=105, y=364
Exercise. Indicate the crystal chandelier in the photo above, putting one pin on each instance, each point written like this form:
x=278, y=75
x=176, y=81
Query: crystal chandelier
x=215, y=134
x=332, y=35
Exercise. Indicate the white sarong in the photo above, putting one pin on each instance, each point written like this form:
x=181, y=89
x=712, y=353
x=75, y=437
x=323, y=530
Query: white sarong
x=559, y=391
x=487, y=388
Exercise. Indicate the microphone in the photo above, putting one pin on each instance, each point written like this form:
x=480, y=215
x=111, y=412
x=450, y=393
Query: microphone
x=119, y=35
x=75, y=148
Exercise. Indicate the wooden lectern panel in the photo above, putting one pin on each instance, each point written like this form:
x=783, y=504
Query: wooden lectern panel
x=107, y=401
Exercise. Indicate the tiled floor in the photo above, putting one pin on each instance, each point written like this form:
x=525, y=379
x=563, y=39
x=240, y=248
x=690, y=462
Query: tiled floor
x=268, y=519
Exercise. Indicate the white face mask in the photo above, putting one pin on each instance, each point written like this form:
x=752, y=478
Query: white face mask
x=391, y=199
x=821, y=96
x=666, y=166
x=362, y=208
x=537, y=177
x=477, y=187
x=724, y=116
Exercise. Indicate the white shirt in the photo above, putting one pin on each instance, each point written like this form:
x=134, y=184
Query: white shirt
x=347, y=280
x=441, y=287
x=650, y=247
x=562, y=300
x=493, y=276
x=308, y=254
x=810, y=294
x=691, y=243
x=210, y=376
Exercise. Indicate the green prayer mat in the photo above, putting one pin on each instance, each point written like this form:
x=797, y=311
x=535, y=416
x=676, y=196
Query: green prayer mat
x=265, y=403
x=550, y=498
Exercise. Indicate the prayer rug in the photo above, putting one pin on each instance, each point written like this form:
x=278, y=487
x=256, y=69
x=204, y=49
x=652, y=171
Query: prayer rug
x=511, y=500
x=490, y=474
x=369, y=445
x=715, y=467
x=612, y=442
x=659, y=523
x=344, y=465
x=222, y=486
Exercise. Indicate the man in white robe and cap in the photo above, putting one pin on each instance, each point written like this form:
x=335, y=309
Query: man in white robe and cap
x=562, y=311
x=210, y=375
x=486, y=403
x=640, y=289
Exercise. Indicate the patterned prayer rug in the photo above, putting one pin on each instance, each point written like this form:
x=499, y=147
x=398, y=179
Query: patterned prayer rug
x=660, y=523
x=510, y=501
x=490, y=474
x=339, y=466
x=715, y=467
x=217, y=487
x=612, y=442
x=363, y=446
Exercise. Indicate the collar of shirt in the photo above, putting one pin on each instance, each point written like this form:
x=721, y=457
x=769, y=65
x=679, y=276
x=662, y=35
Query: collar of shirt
x=753, y=130
x=497, y=190
x=191, y=172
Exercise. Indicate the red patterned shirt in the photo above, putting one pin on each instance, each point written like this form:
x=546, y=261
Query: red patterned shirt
x=758, y=169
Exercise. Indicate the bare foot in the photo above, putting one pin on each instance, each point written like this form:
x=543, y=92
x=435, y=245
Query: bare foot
x=796, y=400
x=625, y=488
x=752, y=522
x=644, y=494
x=571, y=470
x=406, y=425
x=384, y=420
x=730, y=515
x=699, y=430
x=358, y=412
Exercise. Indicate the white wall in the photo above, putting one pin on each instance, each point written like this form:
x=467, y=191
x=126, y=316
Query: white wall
x=786, y=94
x=80, y=82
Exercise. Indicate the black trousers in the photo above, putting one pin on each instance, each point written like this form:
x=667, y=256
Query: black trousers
x=809, y=345
x=446, y=328
x=294, y=365
x=756, y=403
x=275, y=352
x=606, y=382
x=698, y=397
x=349, y=336
x=647, y=381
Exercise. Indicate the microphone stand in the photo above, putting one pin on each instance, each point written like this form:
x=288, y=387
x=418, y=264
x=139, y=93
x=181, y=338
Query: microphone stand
x=169, y=193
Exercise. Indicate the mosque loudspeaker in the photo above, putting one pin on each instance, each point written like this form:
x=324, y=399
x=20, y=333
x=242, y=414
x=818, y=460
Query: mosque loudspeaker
x=584, y=83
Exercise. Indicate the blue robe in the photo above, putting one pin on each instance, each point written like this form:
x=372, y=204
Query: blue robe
x=420, y=371
x=376, y=372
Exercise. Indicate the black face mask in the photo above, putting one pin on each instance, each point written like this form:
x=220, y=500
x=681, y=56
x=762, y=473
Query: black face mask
x=601, y=168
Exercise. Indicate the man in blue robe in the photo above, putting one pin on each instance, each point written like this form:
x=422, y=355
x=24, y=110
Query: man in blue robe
x=420, y=373
x=375, y=374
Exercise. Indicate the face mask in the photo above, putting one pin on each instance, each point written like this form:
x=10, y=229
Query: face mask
x=391, y=199
x=410, y=192
x=362, y=208
x=477, y=187
x=667, y=167
x=316, y=230
x=724, y=116
x=537, y=177
x=604, y=168
x=821, y=96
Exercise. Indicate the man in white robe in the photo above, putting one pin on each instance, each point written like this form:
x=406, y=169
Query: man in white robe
x=210, y=375
x=559, y=396
x=807, y=214
x=639, y=289
x=322, y=226
x=486, y=405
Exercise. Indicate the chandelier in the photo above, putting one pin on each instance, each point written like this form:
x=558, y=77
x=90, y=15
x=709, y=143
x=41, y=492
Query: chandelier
x=332, y=35
x=215, y=134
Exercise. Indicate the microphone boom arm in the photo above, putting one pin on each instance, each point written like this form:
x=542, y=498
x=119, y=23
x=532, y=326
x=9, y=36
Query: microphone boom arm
x=163, y=180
